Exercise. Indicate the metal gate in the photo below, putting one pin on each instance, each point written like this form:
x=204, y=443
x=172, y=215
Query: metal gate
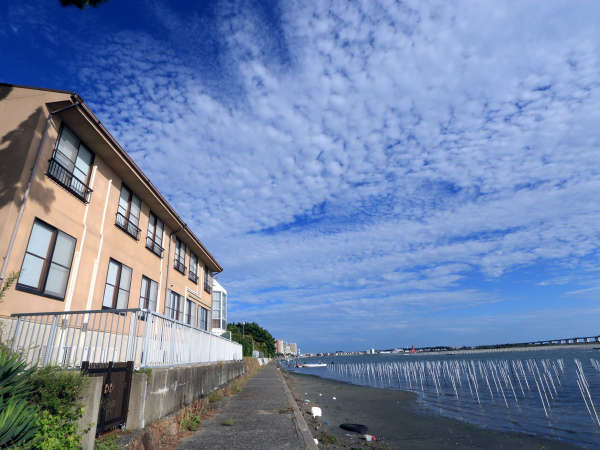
x=116, y=387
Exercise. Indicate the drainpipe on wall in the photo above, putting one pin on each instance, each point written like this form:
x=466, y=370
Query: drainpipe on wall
x=27, y=189
x=169, y=264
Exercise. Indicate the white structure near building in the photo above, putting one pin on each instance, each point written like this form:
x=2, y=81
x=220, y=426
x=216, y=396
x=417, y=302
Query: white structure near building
x=219, y=308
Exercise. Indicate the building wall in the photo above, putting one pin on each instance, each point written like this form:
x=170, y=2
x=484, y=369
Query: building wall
x=23, y=114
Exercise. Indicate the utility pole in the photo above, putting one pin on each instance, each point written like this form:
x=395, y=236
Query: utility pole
x=243, y=333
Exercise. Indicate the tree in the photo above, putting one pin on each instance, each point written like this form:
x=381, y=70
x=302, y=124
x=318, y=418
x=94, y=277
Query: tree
x=82, y=3
x=253, y=336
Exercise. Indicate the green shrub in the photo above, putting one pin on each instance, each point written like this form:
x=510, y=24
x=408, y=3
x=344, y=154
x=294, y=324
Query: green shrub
x=192, y=422
x=57, y=392
x=55, y=433
x=215, y=396
x=108, y=442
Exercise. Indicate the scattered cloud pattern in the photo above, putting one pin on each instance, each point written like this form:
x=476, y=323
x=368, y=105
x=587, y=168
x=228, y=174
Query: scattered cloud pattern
x=367, y=173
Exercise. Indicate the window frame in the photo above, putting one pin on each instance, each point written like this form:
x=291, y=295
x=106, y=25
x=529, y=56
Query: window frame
x=53, y=160
x=193, y=274
x=146, y=295
x=151, y=241
x=187, y=317
x=127, y=223
x=169, y=310
x=41, y=287
x=203, y=322
x=117, y=285
x=207, y=280
x=178, y=260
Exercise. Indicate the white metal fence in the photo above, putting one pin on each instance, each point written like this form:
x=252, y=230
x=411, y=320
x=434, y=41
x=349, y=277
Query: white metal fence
x=149, y=339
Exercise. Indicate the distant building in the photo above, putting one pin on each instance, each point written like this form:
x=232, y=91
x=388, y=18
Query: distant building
x=286, y=348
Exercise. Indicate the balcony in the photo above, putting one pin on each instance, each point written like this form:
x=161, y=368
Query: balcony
x=193, y=277
x=154, y=247
x=179, y=266
x=70, y=182
x=127, y=226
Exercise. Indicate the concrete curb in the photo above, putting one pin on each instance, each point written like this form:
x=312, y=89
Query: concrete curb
x=301, y=426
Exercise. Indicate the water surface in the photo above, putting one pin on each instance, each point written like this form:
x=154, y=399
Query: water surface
x=551, y=393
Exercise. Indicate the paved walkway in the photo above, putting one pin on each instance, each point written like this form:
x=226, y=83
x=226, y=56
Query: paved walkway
x=264, y=417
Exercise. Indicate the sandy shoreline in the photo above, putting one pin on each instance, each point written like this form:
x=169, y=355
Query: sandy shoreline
x=397, y=421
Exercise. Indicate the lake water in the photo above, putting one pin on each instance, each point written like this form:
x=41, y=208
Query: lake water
x=551, y=393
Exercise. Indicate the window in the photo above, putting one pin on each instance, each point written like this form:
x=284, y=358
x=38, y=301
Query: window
x=118, y=282
x=148, y=294
x=155, y=234
x=47, y=261
x=128, y=212
x=190, y=313
x=193, y=268
x=216, y=309
x=173, y=309
x=202, y=318
x=219, y=310
x=70, y=164
x=207, y=280
x=179, y=262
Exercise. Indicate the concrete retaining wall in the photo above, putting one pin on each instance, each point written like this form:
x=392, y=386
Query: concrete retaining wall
x=90, y=400
x=166, y=390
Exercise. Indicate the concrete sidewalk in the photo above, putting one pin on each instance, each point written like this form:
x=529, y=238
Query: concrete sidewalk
x=264, y=416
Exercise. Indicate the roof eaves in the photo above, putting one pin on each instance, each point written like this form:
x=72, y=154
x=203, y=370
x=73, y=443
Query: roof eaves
x=145, y=179
x=20, y=86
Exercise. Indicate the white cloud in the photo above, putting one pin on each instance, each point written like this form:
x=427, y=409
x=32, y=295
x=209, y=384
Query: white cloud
x=368, y=157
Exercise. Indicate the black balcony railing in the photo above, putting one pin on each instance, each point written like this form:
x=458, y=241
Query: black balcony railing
x=193, y=277
x=153, y=246
x=179, y=266
x=70, y=182
x=127, y=226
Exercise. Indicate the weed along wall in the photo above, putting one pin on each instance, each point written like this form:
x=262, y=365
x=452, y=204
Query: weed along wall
x=160, y=392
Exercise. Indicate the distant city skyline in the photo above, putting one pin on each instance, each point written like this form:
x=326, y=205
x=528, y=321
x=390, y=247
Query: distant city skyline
x=369, y=175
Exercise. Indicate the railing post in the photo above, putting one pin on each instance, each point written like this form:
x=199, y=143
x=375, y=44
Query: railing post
x=145, y=343
x=172, y=347
x=14, y=339
x=132, y=327
x=51, y=339
x=189, y=344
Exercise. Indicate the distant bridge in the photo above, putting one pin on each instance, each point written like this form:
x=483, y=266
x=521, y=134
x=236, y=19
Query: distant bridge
x=573, y=340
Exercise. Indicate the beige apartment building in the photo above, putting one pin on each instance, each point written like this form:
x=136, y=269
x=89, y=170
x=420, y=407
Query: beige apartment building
x=83, y=225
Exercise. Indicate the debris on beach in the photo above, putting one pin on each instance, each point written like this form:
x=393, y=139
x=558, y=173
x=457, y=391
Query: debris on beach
x=315, y=411
x=333, y=398
x=356, y=427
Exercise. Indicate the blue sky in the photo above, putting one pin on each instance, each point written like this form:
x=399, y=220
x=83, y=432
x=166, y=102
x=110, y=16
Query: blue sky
x=368, y=174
